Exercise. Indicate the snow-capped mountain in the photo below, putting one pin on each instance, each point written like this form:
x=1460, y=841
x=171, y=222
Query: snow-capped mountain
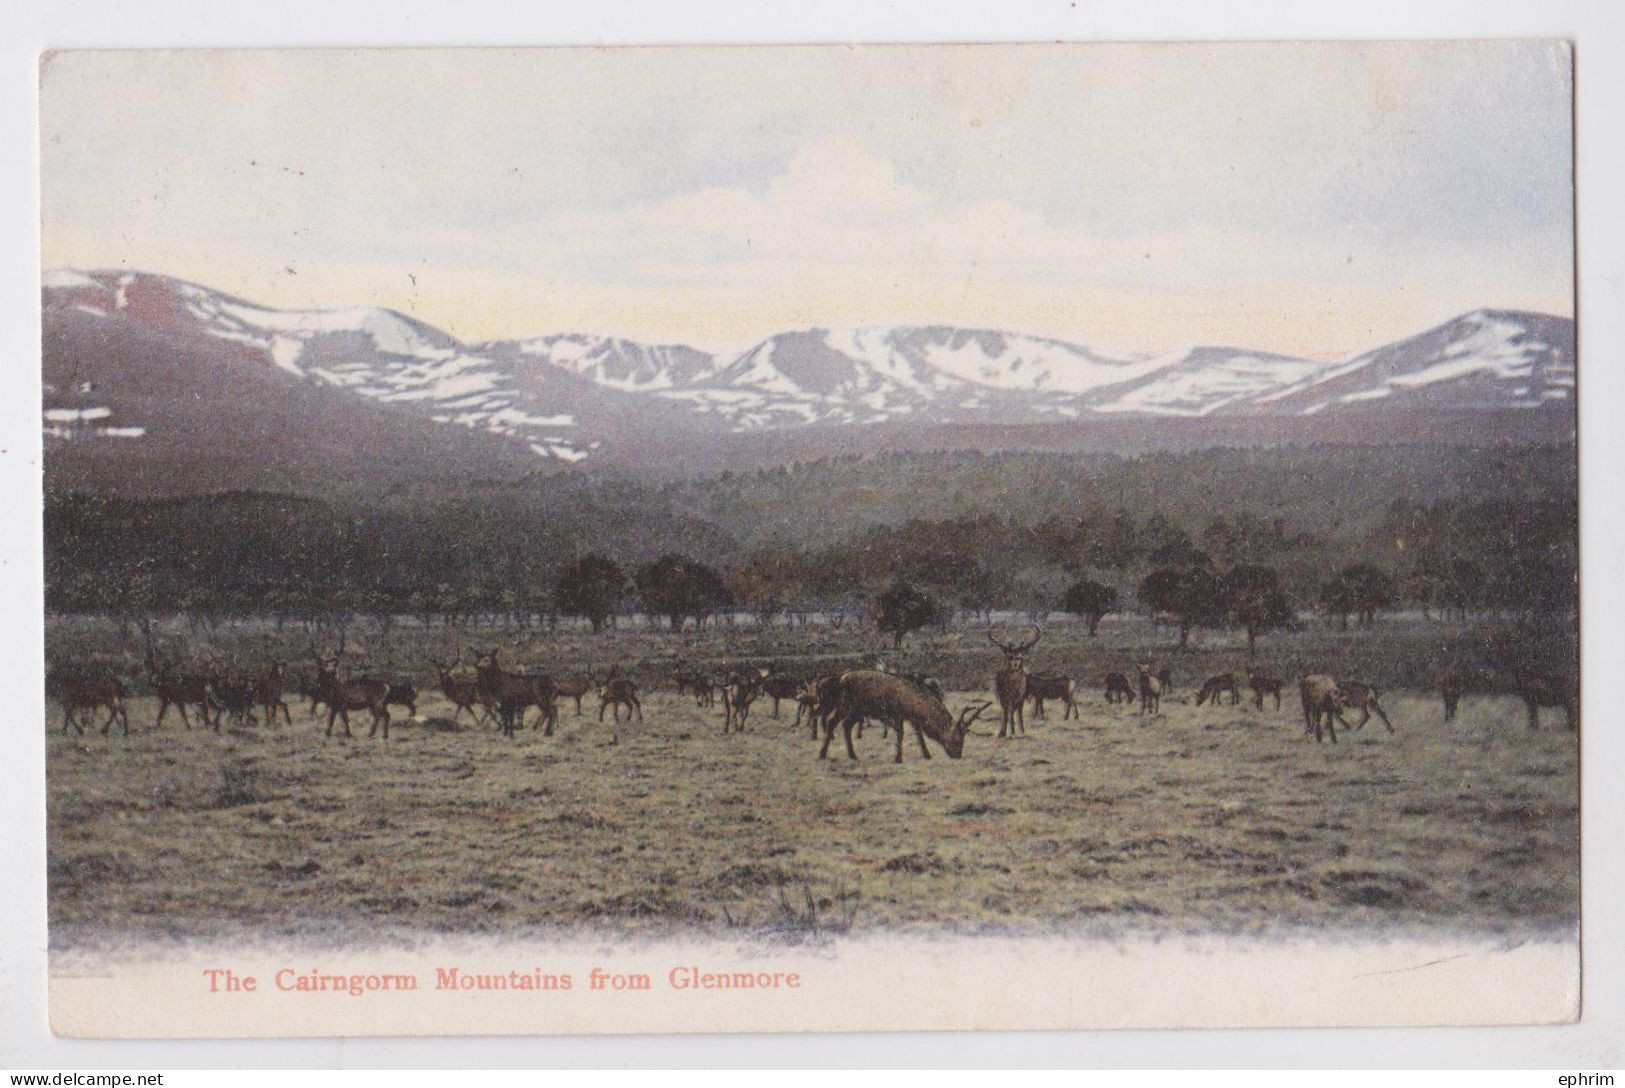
x=567, y=397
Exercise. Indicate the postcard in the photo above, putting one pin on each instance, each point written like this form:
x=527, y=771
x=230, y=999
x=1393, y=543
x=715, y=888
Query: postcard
x=810, y=538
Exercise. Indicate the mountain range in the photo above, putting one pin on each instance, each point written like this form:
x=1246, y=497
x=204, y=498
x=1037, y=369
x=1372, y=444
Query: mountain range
x=165, y=376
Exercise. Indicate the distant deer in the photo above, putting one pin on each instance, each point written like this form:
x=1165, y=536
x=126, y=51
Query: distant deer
x=1010, y=682
x=512, y=693
x=1538, y=689
x=866, y=693
x=1452, y=686
x=738, y=692
x=1215, y=686
x=574, y=687
x=1362, y=697
x=268, y=692
x=816, y=699
x=403, y=693
x=237, y=696
x=705, y=691
x=81, y=694
x=619, y=691
x=1150, y=691
x=463, y=692
x=342, y=696
x=1048, y=685
x=1262, y=686
x=174, y=689
x=779, y=686
x=1320, y=704
x=1118, y=689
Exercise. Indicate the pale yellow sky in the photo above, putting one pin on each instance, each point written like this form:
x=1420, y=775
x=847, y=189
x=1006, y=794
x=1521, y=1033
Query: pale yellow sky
x=1306, y=199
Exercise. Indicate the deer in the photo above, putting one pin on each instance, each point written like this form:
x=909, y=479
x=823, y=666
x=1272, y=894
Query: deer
x=779, y=686
x=1262, y=686
x=816, y=699
x=1118, y=689
x=705, y=691
x=738, y=692
x=1216, y=686
x=1452, y=686
x=1046, y=685
x=868, y=693
x=513, y=693
x=82, y=694
x=1010, y=682
x=403, y=693
x=342, y=696
x=1538, y=689
x=1320, y=704
x=463, y=692
x=1150, y=691
x=574, y=687
x=268, y=693
x=172, y=688
x=235, y=695
x=1362, y=697
x=619, y=691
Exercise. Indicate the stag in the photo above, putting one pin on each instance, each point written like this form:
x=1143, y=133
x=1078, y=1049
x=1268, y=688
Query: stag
x=463, y=692
x=867, y=693
x=1010, y=682
x=1150, y=690
x=513, y=693
x=1049, y=685
x=82, y=694
x=1215, y=686
x=1118, y=689
x=738, y=692
x=1320, y=704
x=1262, y=686
x=172, y=688
x=618, y=691
x=342, y=696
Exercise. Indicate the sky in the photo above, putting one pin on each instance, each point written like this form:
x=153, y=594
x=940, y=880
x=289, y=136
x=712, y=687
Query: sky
x=1311, y=199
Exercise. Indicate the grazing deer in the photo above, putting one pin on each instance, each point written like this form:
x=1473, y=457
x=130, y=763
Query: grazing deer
x=738, y=692
x=1118, y=689
x=1538, y=689
x=867, y=693
x=778, y=686
x=1215, y=686
x=1048, y=685
x=342, y=696
x=1320, y=704
x=237, y=696
x=513, y=693
x=817, y=699
x=268, y=693
x=1010, y=682
x=172, y=688
x=1262, y=686
x=1150, y=691
x=463, y=692
x=82, y=694
x=574, y=687
x=618, y=691
x=705, y=691
x=1362, y=697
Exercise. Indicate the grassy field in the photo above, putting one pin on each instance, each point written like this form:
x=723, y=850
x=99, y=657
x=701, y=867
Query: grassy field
x=1200, y=819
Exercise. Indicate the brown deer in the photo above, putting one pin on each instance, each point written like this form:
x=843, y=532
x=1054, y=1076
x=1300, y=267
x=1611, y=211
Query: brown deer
x=1216, y=686
x=619, y=691
x=705, y=691
x=1262, y=686
x=779, y=686
x=342, y=696
x=403, y=693
x=817, y=699
x=866, y=693
x=1150, y=690
x=1452, y=686
x=1118, y=689
x=233, y=695
x=738, y=692
x=512, y=693
x=1320, y=704
x=1010, y=682
x=268, y=692
x=1362, y=697
x=463, y=692
x=174, y=689
x=81, y=694
x=574, y=687
x=1538, y=689
x=1048, y=685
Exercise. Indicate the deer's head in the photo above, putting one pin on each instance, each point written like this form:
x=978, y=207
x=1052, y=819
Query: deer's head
x=1015, y=653
x=953, y=742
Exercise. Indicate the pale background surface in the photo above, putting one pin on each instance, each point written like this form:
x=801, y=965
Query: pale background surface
x=1596, y=29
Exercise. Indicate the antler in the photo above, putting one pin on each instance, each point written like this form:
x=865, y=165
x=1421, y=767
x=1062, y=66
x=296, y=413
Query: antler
x=1038, y=633
x=971, y=713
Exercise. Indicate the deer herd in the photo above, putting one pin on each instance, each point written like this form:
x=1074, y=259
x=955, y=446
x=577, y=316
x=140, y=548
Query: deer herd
x=848, y=700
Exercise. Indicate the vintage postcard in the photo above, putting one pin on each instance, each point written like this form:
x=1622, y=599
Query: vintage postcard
x=810, y=538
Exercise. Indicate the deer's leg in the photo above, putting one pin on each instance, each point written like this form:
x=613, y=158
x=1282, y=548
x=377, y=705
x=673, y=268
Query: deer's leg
x=846, y=729
x=1534, y=712
x=1376, y=706
x=829, y=735
x=637, y=705
x=919, y=735
x=898, y=729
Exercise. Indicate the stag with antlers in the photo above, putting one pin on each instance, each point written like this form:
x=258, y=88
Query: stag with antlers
x=866, y=693
x=514, y=693
x=463, y=692
x=1010, y=682
x=342, y=696
x=174, y=688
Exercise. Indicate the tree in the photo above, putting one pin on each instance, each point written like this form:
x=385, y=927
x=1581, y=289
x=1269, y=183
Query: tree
x=1191, y=595
x=902, y=609
x=678, y=587
x=1091, y=600
x=1256, y=601
x=590, y=586
x=1361, y=590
